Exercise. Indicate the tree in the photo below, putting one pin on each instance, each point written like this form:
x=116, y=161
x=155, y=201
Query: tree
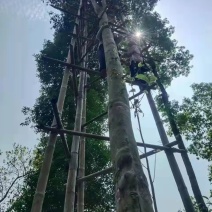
x=132, y=192
x=16, y=166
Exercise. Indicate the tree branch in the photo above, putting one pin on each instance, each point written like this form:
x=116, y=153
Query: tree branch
x=3, y=198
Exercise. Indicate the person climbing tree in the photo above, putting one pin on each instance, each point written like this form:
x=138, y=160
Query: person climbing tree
x=101, y=53
x=101, y=58
x=139, y=71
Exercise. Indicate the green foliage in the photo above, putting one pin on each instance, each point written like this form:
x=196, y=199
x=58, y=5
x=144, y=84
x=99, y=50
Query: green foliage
x=16, y=165
x=97, y=152
x=194, y=119
x=208, y=203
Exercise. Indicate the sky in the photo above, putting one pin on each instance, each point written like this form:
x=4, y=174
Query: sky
x=24, y=27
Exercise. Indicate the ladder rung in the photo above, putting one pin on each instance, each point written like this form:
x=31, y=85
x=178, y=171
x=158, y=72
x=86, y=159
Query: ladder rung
x=72, y=132
x=110, y=169
x=96, y=174
x=160, y=147
x=105, y=113
x=69, y=65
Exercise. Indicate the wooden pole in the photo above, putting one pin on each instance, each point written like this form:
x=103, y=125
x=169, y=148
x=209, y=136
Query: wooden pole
x=47, y=161
x=110, y=169
x=190, y=171
x=73, y=164
x=60, y=126
x=45, y=169
x=171, y=159
x=81, y=170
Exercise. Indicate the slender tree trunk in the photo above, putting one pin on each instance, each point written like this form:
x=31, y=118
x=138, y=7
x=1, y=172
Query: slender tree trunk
x=132, y=192
x=171, y=159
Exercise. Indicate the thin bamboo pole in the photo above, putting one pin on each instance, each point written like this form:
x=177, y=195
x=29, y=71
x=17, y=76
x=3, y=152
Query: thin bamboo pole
x=171, y=159
x=47, y=161
x=73, y=164
x=70, y=65
x=81, y=170
x=72, y=132
x=110, y=169
x=60, y=126
x=45, y=169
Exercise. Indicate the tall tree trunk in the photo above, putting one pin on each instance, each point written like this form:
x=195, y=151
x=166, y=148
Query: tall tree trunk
x=132, y=192
x=171, y=159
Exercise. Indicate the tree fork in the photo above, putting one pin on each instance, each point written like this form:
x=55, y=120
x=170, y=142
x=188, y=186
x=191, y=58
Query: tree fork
x=132, y=192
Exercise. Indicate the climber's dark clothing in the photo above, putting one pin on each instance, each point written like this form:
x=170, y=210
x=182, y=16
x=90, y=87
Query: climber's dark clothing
x=101, y=57
x=135, y=69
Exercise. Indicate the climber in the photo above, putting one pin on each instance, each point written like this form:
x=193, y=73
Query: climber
x=101, y=53
x=138, y=68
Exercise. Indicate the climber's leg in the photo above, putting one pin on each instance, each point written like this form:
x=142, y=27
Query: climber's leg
x=133, y=68
x=102, y=63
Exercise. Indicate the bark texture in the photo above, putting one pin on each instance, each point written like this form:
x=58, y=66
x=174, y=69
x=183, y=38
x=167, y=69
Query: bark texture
x=132, y=192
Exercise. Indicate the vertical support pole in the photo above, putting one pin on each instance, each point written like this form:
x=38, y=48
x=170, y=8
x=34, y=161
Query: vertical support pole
x=171, y=158
x=45, y=169
x=73, y=164
x=81, y=169
x=47, y=161
x=190, y=171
